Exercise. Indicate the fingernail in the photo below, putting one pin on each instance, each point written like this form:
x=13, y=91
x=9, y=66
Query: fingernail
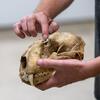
x=45, y=37
x=39, y=62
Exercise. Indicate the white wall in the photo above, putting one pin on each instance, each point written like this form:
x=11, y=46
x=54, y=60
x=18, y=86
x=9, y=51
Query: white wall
x=13, y=10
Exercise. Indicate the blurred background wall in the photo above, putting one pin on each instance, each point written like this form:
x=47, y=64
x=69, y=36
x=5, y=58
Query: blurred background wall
x=78, y=19
x=13, y=10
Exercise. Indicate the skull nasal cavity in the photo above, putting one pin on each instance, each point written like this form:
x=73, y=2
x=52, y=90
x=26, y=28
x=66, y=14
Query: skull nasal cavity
x=23, y=61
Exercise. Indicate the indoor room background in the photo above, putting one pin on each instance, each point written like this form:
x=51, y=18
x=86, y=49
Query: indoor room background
x=78, y=19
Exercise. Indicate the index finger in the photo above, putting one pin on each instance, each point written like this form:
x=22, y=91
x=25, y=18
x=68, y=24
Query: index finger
x=43, y=20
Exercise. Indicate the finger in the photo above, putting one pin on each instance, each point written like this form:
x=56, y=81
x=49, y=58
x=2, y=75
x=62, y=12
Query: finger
x=48, y=84
x=31, y=26
x=17, y=29
x=57, y=64
x=53, y=27
x=24, y=26
x=43, y=20
x=50, y=63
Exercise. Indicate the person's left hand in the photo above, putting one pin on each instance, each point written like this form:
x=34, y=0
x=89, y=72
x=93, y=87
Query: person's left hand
x=67, y=71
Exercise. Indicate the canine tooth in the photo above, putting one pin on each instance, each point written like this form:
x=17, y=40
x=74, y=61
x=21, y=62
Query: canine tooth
x=25, y=77
x=30, y=77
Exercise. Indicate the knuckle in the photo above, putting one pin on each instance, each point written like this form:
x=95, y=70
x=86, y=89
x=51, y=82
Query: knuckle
x=30, y=18
x=54, y=25
x=22, y=20
x=33, y=16
x=39, y=14
x=25, y=17
x=32, y=29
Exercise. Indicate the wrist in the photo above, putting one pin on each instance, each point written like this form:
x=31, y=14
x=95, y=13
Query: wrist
x=85, y=70
x=92, y=67
x=88, y=72
x=42, y=13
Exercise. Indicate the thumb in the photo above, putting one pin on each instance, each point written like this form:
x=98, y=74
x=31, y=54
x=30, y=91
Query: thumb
x=53, y=27
x=48, y=63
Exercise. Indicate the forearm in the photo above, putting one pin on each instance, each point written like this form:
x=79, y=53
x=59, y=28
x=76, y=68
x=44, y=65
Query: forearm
x=93, y=67
x=53, y=7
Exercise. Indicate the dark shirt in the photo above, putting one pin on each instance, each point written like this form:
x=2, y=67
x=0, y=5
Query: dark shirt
x=97, y=45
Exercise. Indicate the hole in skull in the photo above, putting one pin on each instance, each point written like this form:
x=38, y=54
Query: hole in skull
x=77, y=56
x=23, y=61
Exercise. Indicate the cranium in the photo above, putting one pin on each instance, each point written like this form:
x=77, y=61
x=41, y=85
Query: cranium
x=59, y=46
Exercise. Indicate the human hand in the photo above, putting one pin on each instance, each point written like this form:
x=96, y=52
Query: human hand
x=37, y=22
x=67, y=71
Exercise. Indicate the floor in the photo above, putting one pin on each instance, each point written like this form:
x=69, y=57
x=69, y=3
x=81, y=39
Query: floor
x=12, y=47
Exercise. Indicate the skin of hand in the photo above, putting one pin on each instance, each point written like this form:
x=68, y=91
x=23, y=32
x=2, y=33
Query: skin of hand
x=68, y=71
x=41, y=19
x=37, y=22
x=53, y=7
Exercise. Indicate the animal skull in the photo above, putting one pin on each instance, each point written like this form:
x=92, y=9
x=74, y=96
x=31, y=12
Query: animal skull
x=59, y=46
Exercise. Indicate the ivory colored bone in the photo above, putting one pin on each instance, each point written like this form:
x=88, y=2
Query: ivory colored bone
x=59, y=46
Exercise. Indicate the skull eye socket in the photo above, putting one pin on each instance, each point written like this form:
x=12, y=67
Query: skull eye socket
x=23, y=61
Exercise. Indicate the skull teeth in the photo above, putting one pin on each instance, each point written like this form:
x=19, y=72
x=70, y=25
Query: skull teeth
x=30, y=77
x=25, y=77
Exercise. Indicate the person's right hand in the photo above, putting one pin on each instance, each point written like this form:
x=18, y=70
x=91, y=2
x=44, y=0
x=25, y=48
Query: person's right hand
x=37, y=22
